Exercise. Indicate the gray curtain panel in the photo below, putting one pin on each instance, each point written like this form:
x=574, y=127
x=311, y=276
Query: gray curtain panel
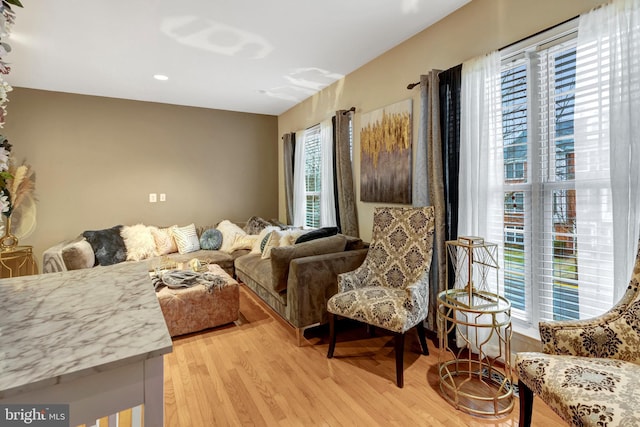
x=429, y=183
x=420, y=186
x=346, y=200
x=288, y=147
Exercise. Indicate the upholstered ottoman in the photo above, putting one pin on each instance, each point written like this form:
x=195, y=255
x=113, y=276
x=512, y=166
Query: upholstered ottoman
x=193, y=309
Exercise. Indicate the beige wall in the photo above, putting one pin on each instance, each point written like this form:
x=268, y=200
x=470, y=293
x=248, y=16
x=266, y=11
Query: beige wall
x=478, y=28
x=97, y=159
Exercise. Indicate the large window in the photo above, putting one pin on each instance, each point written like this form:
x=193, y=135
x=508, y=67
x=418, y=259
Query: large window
x=314, y=180
x=312, y=176
x=542, y=255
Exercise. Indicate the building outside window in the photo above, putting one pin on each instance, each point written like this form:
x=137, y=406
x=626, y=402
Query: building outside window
x=541, y=273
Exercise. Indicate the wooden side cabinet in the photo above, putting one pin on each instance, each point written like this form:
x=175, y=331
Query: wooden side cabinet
x=17, y=261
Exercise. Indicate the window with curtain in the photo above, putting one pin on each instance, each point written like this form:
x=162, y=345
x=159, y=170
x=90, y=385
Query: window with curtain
x=313, y=192
x=312, y=176
x=557, y=261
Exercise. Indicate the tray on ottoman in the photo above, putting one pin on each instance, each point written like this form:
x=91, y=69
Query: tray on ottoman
x=195, y=308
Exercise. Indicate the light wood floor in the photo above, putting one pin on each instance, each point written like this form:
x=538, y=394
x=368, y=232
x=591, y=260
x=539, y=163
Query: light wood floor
x=253, y=373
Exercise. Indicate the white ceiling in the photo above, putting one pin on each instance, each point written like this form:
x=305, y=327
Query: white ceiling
x=258, y=56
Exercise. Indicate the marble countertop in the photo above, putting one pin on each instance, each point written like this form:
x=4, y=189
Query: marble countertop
x=60, y=326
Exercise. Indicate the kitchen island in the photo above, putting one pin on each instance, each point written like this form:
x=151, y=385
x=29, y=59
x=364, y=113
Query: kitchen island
x=92, y=338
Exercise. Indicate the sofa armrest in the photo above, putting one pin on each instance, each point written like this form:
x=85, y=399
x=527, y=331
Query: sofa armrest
x=68, y=255
x=282, y=256
x=52, y=259
x=313, y=280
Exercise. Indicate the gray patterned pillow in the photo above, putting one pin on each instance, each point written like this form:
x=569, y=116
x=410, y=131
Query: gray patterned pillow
x=255, y=224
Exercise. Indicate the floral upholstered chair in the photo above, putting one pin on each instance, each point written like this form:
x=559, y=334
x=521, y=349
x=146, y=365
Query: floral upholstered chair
x=390, y=289
x=589, y=373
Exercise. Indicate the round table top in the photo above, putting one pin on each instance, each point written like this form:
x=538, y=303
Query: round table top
x=475, y=301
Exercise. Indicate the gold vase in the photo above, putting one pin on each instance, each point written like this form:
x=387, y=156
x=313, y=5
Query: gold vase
x=8, y=240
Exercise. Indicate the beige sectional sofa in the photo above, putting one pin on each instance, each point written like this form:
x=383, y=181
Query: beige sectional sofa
x=295, y=279
x=156, y=246
x=77, y=254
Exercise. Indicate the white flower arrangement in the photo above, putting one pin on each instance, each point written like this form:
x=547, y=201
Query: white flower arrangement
x=4, y=89
x=5, y=176
x=7, y=18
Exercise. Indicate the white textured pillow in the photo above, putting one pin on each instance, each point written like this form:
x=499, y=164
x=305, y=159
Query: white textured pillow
x=165, y=243
x=139, y=242
x=257, y=245
x=229, y=232
x=186, y=238
x=272, y=242
x=289, y=237
x=244, y=241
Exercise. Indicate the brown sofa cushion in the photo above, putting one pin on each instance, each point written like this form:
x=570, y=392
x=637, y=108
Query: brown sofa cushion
x=78, y=254
x=281, y=256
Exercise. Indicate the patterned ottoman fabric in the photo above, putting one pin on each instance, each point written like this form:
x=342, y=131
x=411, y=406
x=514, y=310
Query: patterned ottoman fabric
x=584, y=391
x=193, y=309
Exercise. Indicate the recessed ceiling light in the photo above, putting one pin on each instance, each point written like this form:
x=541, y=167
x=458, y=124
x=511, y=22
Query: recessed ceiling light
x=160, y=77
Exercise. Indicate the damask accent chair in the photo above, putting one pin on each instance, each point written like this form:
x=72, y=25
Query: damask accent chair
x=589, y=371
x=390, y=290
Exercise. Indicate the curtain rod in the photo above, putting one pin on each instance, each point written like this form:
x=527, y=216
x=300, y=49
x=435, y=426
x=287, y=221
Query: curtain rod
x=412, y=85
x=350, y=110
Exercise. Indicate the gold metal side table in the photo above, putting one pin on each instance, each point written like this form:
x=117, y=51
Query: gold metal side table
x=17, y=261
x=474, y=363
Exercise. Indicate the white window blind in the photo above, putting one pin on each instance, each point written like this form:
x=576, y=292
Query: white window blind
x=557, y=255
x=312, y=176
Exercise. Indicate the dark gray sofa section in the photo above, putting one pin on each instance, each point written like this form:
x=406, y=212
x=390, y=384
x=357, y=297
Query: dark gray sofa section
x=309, y=271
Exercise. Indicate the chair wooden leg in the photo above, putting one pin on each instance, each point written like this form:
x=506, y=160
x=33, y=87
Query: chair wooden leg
x=371, y=330
x=423, y=338
x=332, y=335
x=399, y=340
x=526, y=404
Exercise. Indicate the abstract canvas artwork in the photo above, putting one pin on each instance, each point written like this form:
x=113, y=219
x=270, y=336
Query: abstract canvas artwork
x=386, y=154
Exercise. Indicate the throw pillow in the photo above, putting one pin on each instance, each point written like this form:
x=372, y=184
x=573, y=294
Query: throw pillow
x=244, y=241
x=255, y=225
x=284, y=226
x=139, y=242
x=211, y=239
x=264, y=242
x=78, y=254
x=291, y=236
x=271, y=242
x=318, y=233
x=281, y=256
x=278, y=223
x=186, y=238
x=108, y=245
x=229, y=231
x=259, y=245
x=165, y=243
